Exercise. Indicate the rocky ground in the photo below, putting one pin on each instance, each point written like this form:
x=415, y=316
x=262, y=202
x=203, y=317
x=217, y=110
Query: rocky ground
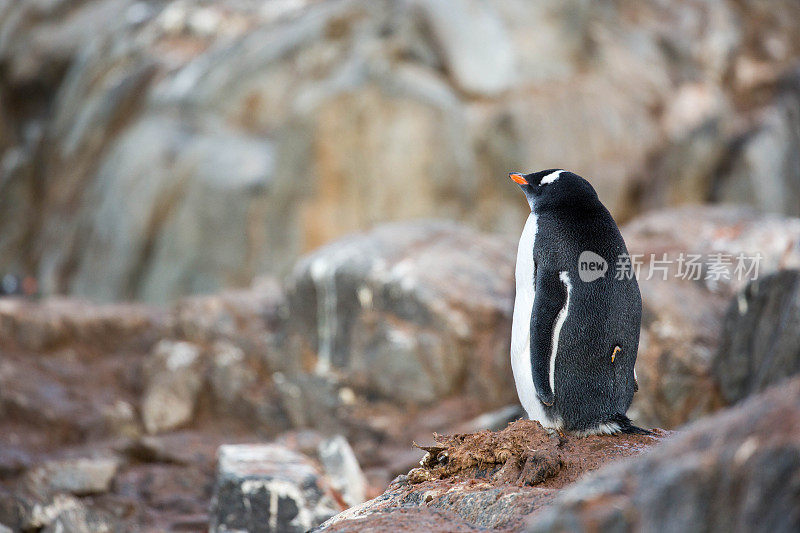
x=113, y=415
x=737, y=470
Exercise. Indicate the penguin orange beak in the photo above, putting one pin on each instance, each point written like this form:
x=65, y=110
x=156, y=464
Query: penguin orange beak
x=518, y=178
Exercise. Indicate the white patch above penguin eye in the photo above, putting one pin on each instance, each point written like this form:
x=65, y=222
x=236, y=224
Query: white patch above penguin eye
x=550, y=178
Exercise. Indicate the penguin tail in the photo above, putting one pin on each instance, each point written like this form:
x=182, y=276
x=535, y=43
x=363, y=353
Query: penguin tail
x=626, y=426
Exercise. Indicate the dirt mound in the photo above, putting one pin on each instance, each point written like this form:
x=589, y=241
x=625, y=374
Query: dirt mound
x=488, y=479
x=524, y=454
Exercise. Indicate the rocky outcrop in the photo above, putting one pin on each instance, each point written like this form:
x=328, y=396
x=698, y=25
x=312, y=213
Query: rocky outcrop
x=734, y=471
x=155, y=149
x=410, y=312
x=761, y=337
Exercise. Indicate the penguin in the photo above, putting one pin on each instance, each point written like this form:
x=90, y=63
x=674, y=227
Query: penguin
x=575, y=327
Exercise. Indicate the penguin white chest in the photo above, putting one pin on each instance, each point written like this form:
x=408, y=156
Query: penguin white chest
x=521, y=324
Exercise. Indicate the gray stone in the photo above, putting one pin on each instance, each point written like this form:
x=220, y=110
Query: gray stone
x=229, y=375
x=761, y=336
x=266, y=488
x=404, y=310
x=308, y=400
x=342, y=468
x=474, y=44
x=73, y=476
x=60, y=512
x=174, y=374
x=765, y=168
x=441, y=507
x=82, y=520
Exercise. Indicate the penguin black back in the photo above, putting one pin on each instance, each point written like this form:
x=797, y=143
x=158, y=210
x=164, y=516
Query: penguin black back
x=584, y=318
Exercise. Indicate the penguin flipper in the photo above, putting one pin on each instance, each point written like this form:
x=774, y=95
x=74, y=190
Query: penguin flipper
x=548, y=302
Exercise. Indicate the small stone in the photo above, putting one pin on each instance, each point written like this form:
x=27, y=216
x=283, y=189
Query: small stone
x=266, y=488
x=174, y=376
x=58, y=513
x=74, y=476
x=230, y=374
x=343, y=470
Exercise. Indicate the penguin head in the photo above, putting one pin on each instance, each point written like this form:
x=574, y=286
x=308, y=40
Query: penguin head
x=554, y=187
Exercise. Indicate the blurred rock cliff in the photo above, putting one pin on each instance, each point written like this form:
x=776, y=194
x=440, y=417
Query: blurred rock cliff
x=155, y=149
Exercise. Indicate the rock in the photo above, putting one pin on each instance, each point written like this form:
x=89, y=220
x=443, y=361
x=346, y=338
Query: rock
x=249, y=318
x=13, y=460
x=308, y=400
x=412, y=312
x=264, y=131
x=233, y=380
x=81, y=520
x=474, y=44
x=342, y=468
x=458, y=507
x=761, y=337
x=765, y=165
x=488, y=479
x=241, y=331
x=174, y=375
x=734, y=471
x=682, y=317
x=268, y=488
x=56, y=323
x=60, y=512
x=80, y=477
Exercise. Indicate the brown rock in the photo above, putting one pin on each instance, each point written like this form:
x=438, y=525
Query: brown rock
x=682, y=318
x=735, y=471
x=59, y=322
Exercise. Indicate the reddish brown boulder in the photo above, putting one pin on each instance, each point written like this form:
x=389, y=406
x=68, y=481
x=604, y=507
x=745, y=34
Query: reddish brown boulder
x=737, y=471
x=682, y=316
x=60, y=322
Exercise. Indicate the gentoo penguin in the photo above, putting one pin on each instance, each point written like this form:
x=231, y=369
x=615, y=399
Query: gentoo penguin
x=575, y=331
